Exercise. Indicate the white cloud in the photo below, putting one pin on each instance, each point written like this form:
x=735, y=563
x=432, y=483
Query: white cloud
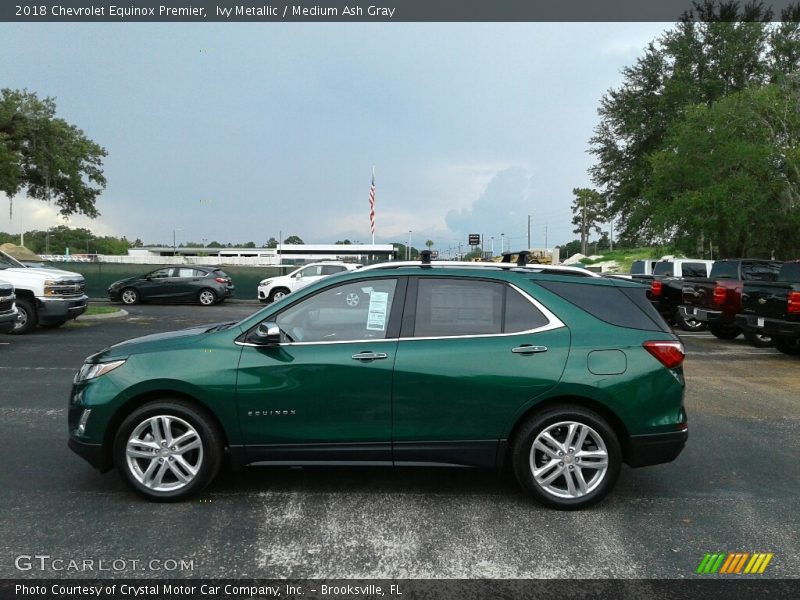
x=29, y=214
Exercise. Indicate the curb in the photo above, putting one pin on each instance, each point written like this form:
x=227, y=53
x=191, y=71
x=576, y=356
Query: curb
x=115, y=315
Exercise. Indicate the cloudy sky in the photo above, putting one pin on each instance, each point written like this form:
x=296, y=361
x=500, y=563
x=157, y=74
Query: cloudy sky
x=234, y=132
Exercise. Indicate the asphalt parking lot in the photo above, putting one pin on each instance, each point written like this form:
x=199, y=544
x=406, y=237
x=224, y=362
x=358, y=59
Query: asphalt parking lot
x=734, y=488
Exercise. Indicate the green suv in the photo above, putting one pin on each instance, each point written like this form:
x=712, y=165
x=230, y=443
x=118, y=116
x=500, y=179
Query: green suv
x=561, y=376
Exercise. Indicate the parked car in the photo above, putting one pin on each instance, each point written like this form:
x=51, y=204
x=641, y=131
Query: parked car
x=204, y=285
x=717, y=299
x=666, y=289
x=47, y=297
x=773, y=309
x=275, y=288
x=8, y=311
x=563, y=377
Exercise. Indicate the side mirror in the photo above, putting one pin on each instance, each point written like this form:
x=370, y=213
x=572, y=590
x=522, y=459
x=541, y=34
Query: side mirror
x=266, y=334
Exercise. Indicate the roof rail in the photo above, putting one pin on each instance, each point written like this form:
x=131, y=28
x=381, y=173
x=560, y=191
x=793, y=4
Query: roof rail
x=530, y=268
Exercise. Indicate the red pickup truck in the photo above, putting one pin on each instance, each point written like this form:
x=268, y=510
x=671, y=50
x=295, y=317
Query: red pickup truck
x=717, y=299
x=773, y=308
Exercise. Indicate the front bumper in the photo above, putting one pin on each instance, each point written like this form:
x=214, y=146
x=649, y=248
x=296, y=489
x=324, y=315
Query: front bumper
x=654, y=449
x=57, y=310
x=700, y=314
x=768, y=326
x=8, y=320
x=94, y=454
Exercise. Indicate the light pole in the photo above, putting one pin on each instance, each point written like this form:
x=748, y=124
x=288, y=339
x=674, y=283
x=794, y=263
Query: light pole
x=502, y=242
x=492, y=238
x=174, y=249
x=408, y=248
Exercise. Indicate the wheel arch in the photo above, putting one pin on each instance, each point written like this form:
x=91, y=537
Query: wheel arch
x=139, y=400
x=601, y=409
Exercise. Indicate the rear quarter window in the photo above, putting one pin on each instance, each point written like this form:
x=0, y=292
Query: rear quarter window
x=663, y=268
x=620, y=306
x=693, y=270
x=790, y=272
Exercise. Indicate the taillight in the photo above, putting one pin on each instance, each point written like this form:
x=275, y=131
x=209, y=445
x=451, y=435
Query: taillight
x=793, y=306
x=720, y=292
x=220, y=280
x=669, y=354
x=655, y=289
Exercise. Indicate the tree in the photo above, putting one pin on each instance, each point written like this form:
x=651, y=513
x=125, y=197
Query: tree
x=730, y=173
x=343, y=242
x=293, y=239
x=271, y=243
x=588, y=210
x=248, y=245
x=730, y=48
x=46, y=157
x=429, y=244
x=570, y=249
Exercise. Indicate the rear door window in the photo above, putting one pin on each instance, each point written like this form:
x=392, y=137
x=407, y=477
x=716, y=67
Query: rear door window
x=693, y=270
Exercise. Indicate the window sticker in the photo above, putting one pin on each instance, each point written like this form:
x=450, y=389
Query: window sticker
x=376, y=317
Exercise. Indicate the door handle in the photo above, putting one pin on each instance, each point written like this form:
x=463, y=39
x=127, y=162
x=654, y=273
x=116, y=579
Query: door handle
x=528, y=349
x=370, y=356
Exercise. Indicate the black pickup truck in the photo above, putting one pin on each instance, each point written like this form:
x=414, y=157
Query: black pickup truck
x=666, y=289
x=773, y=308
x=716, y=300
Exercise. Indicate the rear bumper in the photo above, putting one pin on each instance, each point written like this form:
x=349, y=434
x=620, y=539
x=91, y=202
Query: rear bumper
x=654, y=449
x=701, y=314
x=771, y=327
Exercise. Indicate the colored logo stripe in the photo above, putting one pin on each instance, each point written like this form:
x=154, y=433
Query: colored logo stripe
x=724, y=563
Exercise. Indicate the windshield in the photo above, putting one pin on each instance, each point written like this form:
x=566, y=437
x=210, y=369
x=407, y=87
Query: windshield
x=6, y=262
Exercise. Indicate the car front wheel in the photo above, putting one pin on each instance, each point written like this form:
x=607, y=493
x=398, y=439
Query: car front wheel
x=788, y=345
x=129, y=296
x=26, y=317
x=168, y=450
x=567, y=457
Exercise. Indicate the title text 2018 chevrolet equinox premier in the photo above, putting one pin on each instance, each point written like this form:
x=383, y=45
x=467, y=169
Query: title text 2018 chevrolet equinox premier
x=563, y=376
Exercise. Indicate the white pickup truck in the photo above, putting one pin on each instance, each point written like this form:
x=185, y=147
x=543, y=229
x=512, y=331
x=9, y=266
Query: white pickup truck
x=44, y=296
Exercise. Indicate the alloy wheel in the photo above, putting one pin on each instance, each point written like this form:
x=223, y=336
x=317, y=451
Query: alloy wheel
x=164, y=453
x=207, y=298
x=568, y=459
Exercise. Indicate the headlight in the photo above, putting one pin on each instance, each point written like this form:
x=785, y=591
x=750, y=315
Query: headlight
x=90, y=371
x=50, y=288
x=265, y=282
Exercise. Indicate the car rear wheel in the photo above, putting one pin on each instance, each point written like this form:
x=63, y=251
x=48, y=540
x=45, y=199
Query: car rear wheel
x=26, y=317
x=353, y=299
x=725, y=332
x=788, y=345
x=129, y=296
x=278, y=294
x=759, y=340
x=206, y=297
x=567, y=457
x=168, y=450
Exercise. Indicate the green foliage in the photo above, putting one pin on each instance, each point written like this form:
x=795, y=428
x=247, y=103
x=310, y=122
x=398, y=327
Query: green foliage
x=271, y=243
x=588, y=211
x=343, y=242
x=46, y=157
x=429, y=244
x=293, y=239
x=730, y=173
x=79, y=241
x=729, y=50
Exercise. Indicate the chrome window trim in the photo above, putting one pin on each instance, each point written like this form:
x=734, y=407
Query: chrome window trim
x=553, y=323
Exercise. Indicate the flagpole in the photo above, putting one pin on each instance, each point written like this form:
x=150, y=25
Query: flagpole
x=373, y=226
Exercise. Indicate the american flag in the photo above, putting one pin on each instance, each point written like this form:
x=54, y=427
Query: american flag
x=372, y=204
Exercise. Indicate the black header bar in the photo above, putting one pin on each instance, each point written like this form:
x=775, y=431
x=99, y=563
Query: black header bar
x=207, y=11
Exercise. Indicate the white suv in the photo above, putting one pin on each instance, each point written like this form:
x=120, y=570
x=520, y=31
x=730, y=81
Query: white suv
x=275, y=288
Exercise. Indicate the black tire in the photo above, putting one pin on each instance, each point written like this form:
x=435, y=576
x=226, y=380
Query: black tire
x=207, y=297
x=725, y=332
x=525, y=458
x=26, y=319
x=206, y=458
x=55, y=325
x=130, y=296
x=277, y=294
x=689, y=324
x=788, y=345
x=759, y=340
